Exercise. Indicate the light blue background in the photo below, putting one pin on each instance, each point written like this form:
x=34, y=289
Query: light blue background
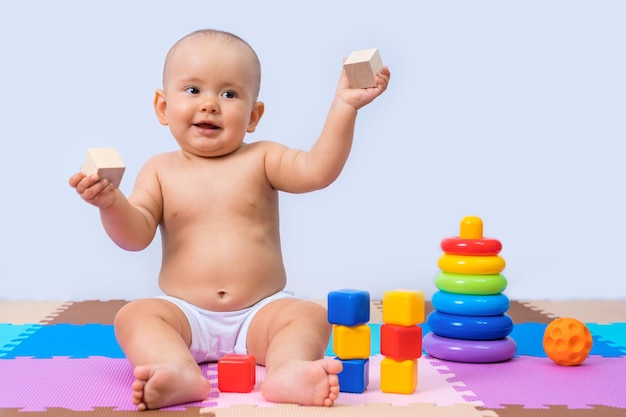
x=514, y=111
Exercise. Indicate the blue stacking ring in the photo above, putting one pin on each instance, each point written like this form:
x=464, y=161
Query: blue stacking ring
x=470, y=327
x=470, y=305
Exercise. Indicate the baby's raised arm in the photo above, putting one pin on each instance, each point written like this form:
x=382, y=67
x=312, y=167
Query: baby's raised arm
x=130, y=224
x=299, y=171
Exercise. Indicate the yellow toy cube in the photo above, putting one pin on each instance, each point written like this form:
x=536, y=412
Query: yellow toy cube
x=403, y=307
x=352, y=342
x=398, y=377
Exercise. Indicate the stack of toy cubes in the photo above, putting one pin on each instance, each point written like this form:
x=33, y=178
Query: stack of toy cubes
x=401, y=340
x=349, y=313
x=469, y=323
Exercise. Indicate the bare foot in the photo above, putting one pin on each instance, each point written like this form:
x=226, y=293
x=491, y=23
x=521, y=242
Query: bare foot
x=168, y=384
x=303, y=382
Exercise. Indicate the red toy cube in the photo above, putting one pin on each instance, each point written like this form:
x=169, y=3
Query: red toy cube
x=401, y=342
x=236, y=373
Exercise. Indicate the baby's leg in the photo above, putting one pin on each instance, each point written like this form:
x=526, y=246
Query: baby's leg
x=155, y=336
x=289, y=336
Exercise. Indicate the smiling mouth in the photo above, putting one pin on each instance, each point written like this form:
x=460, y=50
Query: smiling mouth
x=207, y=125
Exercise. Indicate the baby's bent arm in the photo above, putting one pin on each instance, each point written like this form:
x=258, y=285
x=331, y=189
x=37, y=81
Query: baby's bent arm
x=131, y=227
x=298, y=171
x=131, y=223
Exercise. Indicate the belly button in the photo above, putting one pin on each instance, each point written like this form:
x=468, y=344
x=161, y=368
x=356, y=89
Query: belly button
x=252, y=203
x=222, y=294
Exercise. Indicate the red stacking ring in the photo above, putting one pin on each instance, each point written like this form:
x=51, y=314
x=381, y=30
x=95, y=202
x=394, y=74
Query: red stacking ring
x=475, y=247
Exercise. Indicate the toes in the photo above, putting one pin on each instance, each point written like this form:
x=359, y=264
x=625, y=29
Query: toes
x=333, y=380
x=138, y=385
x=142, y=373
x=332, y=367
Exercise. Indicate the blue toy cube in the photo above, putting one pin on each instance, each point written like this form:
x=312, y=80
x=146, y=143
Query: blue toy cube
x=355, y=376
x=348, y=307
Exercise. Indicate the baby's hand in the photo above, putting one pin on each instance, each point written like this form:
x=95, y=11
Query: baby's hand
x=359, y=97
x=93, y=190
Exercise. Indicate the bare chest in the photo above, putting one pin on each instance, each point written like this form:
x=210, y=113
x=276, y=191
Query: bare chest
x=218, y=193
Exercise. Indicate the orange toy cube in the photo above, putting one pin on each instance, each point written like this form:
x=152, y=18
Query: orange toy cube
x=401, y=342
x=236, y=373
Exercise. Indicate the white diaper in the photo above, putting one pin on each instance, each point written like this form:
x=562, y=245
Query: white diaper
x=218, y=333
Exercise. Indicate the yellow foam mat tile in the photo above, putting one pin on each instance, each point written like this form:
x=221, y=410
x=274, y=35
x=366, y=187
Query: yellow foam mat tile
x=587, y=311
x=368, y=410
x=29, y=312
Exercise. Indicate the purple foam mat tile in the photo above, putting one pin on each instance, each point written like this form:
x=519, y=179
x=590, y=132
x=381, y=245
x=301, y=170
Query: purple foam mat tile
x=538, y=382
x=81, y=384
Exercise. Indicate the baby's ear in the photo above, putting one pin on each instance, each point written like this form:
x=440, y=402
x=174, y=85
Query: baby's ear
x=160, y=107
x=257, y=112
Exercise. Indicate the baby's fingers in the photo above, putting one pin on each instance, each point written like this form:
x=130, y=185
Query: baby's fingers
x=75, y=179
x=95, y=190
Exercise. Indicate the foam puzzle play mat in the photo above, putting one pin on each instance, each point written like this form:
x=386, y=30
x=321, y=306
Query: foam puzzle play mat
x=61, y=358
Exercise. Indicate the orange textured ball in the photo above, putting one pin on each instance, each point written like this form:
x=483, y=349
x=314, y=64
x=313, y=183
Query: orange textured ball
x=567, y=341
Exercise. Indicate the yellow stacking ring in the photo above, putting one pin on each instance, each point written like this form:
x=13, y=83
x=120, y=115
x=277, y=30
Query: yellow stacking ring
x=479, y=265
x=470, y=284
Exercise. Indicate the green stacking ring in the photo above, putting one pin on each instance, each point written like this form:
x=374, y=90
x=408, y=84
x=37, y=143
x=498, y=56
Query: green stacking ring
x=470, y=284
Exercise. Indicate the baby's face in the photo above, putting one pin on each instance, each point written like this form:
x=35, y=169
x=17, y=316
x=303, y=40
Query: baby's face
x=210, y=88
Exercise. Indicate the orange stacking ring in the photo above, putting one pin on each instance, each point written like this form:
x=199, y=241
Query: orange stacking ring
x=471, y=265
x=472, y=247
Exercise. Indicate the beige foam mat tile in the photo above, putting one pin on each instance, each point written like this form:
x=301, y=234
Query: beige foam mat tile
x=368, y=410
x=587, y=311
x=29, y=312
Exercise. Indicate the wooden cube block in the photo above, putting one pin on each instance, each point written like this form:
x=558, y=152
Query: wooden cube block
x=401, y=342
x=348, y=307
x=362, y=66
x=236, y=373
x=352, y=342
x=355, y=375
x=106, y=162
x=403, y=307
x=398, y=377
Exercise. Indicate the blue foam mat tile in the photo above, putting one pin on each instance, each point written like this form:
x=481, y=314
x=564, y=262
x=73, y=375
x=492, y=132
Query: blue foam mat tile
x=74, y=341
x=11, y=335
x=529, y=339
x=612, y=335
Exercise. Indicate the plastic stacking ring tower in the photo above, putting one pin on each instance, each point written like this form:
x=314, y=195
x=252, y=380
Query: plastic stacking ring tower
x=469, y=323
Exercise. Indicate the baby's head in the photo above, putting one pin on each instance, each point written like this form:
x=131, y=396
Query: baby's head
x=222, y=39
x=211, y=82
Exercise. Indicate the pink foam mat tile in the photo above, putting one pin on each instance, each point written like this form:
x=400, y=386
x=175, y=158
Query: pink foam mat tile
x=80, y=384
x=537, y=383
x=83, y=384
x=433, y=388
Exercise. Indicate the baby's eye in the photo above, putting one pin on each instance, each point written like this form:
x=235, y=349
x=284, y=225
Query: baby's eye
x=192, y=90
x=229, y=94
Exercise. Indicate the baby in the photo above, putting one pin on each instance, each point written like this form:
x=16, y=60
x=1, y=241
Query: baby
x=215, y=201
